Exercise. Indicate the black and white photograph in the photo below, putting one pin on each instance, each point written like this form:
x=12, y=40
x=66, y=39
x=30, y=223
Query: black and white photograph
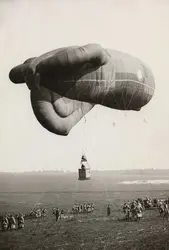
x=84, y=162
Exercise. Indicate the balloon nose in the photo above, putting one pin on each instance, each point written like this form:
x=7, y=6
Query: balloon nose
x=16, y=74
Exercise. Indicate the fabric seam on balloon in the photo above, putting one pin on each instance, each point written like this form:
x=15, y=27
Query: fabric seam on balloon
x=123, y=80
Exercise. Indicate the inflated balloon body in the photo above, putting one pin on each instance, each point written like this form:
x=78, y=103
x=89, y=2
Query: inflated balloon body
x=91, y=74
x=96, y=75
x=56, y=113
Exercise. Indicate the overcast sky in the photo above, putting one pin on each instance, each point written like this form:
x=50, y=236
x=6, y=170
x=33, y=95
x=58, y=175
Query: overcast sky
x=30, y=28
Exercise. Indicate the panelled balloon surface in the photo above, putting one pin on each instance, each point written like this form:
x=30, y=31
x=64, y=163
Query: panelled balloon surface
x=66, y=83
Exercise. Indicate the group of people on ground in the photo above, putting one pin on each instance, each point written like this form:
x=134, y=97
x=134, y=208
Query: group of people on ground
x=38, y=212
x=83, y=208
x=10, y=222
x=131, y=209
x=164, y=209
x=134, y=209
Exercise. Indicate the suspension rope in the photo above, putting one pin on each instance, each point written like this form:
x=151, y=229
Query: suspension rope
x=83, y=137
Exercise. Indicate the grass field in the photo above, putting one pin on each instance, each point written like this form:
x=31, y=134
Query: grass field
x=93, y=231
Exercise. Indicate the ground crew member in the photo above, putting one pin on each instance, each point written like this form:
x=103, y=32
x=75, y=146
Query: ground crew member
x=108, y=210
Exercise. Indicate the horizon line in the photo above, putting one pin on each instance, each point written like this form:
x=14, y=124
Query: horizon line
x=69, y=171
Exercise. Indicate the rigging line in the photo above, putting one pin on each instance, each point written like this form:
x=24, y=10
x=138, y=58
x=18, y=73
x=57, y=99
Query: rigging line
x=133, y=91
x=83, y=136
x=105, y=190
x=139, y=91
x=76, y=192
x=43, y=225
x=123, y=92
x=108, y=93
x=38, y=199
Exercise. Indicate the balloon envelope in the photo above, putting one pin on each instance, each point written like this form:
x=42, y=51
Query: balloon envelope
x=96, y=75
x=67, y=82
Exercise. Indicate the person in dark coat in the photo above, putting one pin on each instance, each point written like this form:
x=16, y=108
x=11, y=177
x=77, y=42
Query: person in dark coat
x=57, y=214
x=108, y=210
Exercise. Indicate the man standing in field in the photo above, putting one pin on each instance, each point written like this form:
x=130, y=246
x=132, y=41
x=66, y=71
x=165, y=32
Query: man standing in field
x=12, y=222
x=57, y=214
x=108, y=210
x=20, y=218
x=4, y=223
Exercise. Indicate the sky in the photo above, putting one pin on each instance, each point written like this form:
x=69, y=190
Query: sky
x=30, y=28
